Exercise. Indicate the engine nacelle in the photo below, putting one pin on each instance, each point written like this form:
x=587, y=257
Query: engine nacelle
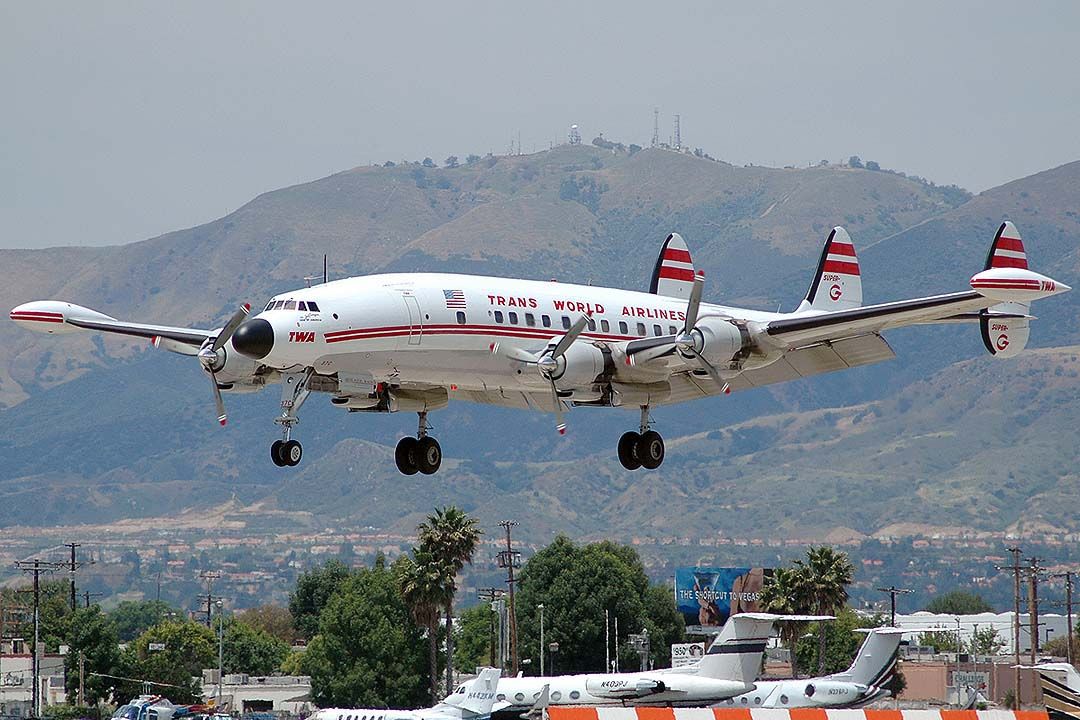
x=721, y=341
x=232, y=368
x=622, y=686
x=578, y=367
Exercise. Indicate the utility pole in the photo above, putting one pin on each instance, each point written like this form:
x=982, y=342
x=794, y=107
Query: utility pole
x=1033, y=606
x=893, y=592
x=1068, y=575
x=73, y=568
x=1015, y=568
x=490, y=595
x=607, y=642
x=209, y=576
x=87, y=595
x=36, y=567
x=82, y=677
x=509, y=559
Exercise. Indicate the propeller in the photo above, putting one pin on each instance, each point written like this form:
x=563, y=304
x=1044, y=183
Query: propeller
x=211, y=359
x=547, y=363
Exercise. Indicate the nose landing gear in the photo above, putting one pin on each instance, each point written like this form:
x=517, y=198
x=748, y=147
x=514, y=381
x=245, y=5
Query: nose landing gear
x=418, y=454
x=642, y=449
x=294, y=391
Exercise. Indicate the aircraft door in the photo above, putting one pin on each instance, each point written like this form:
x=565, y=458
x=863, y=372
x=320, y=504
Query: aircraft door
x=416, y=318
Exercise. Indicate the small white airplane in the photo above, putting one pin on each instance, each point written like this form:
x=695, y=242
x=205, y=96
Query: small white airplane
x=473, y=700
x=727, y=669
x=1060, y=688
x=861, y=684
x=414, y=341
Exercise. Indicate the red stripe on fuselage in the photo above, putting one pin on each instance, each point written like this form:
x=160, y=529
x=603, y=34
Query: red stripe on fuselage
x=500, y=331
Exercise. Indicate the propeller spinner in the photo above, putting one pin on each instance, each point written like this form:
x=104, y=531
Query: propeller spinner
x=212, y=359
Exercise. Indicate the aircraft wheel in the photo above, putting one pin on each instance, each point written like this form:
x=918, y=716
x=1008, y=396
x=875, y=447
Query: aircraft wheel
x=628, y=450
x=291, y=451
x=405, y=456
x=275, y=453
x=428, y=455
x=650, y=449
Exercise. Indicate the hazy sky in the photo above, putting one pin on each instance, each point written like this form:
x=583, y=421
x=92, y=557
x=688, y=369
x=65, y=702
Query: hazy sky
x=120, y=121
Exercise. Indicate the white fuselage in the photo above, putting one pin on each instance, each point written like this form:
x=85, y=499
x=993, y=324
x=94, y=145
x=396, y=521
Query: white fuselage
x=386, y=326
x=809, y=693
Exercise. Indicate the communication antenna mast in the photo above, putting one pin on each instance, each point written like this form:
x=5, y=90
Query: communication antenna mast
x=655, y=127
x=575, y=135
x=678, y=135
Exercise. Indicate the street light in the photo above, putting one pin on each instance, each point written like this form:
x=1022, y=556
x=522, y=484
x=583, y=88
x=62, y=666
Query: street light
x=553, y=648
x=220, y=653
x=540, y=607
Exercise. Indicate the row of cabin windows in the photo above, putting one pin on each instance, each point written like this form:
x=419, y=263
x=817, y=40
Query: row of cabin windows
x=292, y=305
x=556, y=696
x=359, y=717
x=605, y=326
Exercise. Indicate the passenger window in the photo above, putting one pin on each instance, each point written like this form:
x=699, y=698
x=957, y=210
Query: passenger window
x=303, y=306
x=498, y=316
x=513, y=318
x=290, y=304
x=623, y=329
x=657, y=330
x=312, y=306
x=592, y=325
x=519, y=696
x=574, y=694
x=556, y=696
x=672, y=330
x=565, y=322
x=530, y=319
x=460, y=318
x=546, y=320
x=641, y=329
x=605, y=326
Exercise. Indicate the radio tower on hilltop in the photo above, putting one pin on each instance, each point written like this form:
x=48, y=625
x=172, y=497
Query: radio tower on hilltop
x=655, y=127
x=678, y=135
x=575, y=135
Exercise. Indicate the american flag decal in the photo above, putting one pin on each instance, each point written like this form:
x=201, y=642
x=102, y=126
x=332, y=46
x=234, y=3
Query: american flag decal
x=454, y=298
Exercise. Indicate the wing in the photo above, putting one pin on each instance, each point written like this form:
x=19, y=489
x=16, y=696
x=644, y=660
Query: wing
x=55, y=317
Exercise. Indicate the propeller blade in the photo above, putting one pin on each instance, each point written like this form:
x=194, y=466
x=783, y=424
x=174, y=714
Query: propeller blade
x=694, y=303
x=230, y=327
x=709, y=368
x=222, y=417
x=514, y=353
x=560, y=426
x=571, y=335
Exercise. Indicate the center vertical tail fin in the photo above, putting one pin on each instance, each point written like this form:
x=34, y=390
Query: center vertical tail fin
x=837, y=284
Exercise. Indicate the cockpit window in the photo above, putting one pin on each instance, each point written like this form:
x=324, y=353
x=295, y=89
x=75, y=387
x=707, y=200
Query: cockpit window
x=269, y=305
x=303, y=306
x=290, y=304
x=312, y=306
x=279, y=304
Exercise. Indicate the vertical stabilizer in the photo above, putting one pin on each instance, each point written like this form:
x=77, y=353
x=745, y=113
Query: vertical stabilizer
x=673, y=275
x=1004, y=336
x=876, y=659
x=736, y=652
x=837, y=283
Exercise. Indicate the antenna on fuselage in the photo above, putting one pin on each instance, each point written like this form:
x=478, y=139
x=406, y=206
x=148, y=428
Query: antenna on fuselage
x=325, y=276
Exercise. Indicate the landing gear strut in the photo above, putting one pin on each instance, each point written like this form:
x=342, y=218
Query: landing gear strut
x=418, y=454
x=642, y=449
x=294, y=391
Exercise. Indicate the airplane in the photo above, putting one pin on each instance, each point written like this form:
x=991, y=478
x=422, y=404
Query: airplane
x=414, y=341
x=727, y=669
x=861, y=684
x=473, y=700
x=1060, y=688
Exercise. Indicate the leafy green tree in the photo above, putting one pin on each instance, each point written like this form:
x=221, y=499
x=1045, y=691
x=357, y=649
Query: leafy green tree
x=246, y=649
x=826, y=574
x=472, y=159
x=472, y=637
x=424, y=585
x=451, y=537
x=451, y=162
x=188, y=648
x=274, y=620
x=367, y=652
x=985, y=641
x=91, y=634
x=785, y=593
x=664, y=622
x=313, y=590
x=854, y=162
x=428, y=163
x=134, y=617
x=576, y=585
x=959, y=602
x=841, y=643
x=942, y=642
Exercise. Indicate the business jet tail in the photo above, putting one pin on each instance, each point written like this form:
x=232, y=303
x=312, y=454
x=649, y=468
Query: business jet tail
x=736, y=652
x=875, y=662
x=476, y=698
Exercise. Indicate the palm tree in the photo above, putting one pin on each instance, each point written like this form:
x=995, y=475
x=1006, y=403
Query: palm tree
x=423, y=583
x=825, y=575
x=451, y=537
x=785, y=593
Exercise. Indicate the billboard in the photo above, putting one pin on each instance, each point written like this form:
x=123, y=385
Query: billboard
x=706, y=596
x=683, y=654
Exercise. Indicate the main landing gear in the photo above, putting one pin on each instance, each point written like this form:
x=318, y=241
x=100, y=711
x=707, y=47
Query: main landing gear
x=294, y=391
x=641, y=449
x=418, y=454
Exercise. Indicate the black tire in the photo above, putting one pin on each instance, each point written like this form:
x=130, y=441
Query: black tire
x=428, y=455
x=650, y=450
x=291, y=452
x=275, y=453
x=628, y=450
x=405, y=456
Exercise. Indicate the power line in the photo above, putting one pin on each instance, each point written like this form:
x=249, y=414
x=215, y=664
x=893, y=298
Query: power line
x=893, y=592
x=1068, y=575
x=36, y=567
x=509, y=559
x=1015, y=568
x=209, y=576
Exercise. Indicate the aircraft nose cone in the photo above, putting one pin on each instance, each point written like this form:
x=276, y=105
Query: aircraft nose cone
x=254, y=339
